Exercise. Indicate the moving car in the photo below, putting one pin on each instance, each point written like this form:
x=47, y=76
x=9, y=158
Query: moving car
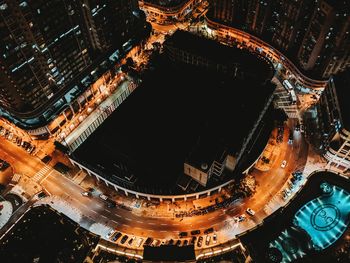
x=283, y=164
x=103, y=197
x=85, y=193
x=241, y=218
x=250, y=211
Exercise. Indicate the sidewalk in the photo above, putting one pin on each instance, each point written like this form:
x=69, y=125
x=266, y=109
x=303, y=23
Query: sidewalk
x=271, y=152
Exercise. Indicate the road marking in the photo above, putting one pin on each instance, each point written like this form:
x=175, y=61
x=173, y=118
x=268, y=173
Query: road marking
x=118, y=215
x=163, y=231
x=128, y=219
x=104, y=216
x=140, y=222
x=115, y=222
x=151, y=223
x=164, y=224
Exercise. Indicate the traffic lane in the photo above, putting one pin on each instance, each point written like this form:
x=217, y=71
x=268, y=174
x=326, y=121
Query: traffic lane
x=20, y=160
x=124, y=220
x=271, y=182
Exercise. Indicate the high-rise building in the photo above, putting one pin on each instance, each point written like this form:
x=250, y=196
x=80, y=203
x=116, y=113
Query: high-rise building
x=259, y=16
x=315, y=34
x=334, y=121
x=109, y=23
x=290, y=20
x=47, y=44
x=231, y=12
x=325, y=49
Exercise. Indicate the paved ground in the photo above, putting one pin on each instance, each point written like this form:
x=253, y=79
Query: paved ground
x=158, y=220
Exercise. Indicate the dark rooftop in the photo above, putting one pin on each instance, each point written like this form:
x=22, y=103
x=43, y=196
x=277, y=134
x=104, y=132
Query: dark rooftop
x=202, y=111
x=169, y=253
x=342, y=86
x=251, y=63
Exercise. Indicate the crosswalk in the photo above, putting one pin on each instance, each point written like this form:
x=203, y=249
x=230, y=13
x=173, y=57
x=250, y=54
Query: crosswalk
x=39, y=175
x=16, y=178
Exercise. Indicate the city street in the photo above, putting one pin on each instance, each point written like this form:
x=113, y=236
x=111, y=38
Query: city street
x=91, y=210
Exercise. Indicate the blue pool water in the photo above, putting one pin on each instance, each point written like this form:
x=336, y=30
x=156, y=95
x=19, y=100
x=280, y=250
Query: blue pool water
x=324, y=219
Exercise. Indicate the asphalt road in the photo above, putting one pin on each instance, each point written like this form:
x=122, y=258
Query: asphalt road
x=95, y=210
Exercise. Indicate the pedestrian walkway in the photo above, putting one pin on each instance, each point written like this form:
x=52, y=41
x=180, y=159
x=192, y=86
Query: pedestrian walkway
x=39, y=175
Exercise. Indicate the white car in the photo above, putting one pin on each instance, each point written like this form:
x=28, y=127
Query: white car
x=103, y=197
x=283, y=164
x=139, y=242
x=110, y=233
x=250, y=211
x=85, y=193
x=207, y=240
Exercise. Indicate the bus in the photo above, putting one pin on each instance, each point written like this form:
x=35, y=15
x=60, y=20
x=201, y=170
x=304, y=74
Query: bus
x=287, y=84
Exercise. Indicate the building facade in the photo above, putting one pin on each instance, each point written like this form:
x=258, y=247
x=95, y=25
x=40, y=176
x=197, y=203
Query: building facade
x=334, y=117
x=325, y=49
x=49, y=46
x=315, y=33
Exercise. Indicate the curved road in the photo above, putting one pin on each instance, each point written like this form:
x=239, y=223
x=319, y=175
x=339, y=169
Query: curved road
x=131, y=222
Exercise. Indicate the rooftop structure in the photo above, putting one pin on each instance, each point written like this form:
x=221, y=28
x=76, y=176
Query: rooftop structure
x=208, y=125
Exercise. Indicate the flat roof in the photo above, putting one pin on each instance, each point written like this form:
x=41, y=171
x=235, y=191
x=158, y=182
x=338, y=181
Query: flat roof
x=251, y=62
x=169, y=253
x=342, y=86
x=177, y=110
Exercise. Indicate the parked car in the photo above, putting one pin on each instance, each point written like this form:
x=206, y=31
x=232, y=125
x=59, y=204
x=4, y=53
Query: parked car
x=131, y=240
x=124, y=238
x=207, y=240
x=116, y=236
x=200, y=241
x=139, y=242
x=148, y=241
x=110, y=233
x=195, y=232
x=250, y=211
x=41, y=195
x=193, y=240
x=183, y=234
x=178, y=243
x=185, y=242
x=209, y=230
